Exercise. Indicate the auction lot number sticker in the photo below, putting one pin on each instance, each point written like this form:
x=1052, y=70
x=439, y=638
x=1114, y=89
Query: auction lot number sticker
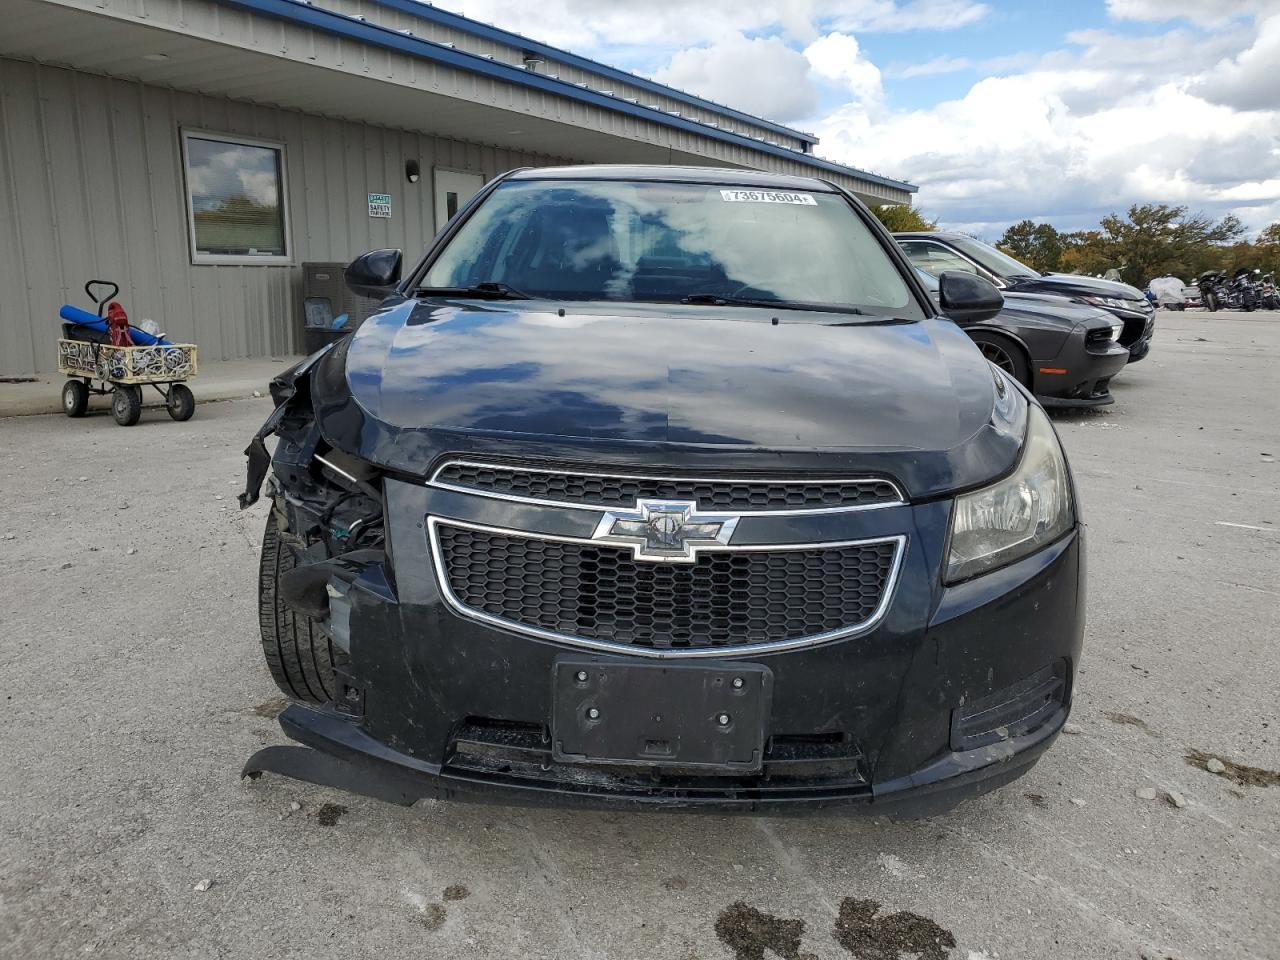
x=768, y=196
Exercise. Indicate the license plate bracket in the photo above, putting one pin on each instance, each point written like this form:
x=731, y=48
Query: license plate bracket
x=704, y=715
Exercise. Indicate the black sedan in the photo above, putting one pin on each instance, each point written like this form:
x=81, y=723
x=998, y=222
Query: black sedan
x=665, y=488
x=937, y=251
x=1064, y=352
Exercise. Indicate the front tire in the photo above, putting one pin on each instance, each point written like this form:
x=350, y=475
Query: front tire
x=1005, y=354
x=75, y=398
x=181, y=402
x=126, y=404
x=298, y=652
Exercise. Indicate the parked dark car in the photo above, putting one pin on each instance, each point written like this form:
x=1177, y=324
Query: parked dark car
x=935, y=252
x=1064, y=352
x=665, y=488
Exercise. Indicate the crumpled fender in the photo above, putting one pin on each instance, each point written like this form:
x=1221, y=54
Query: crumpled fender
x=289, y=386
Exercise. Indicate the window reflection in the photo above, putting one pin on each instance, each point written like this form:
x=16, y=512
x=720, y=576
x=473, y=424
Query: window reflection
x=236, y=195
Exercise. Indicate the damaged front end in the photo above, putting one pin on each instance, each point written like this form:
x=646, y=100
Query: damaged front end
x=324, y=534
x=402, y=697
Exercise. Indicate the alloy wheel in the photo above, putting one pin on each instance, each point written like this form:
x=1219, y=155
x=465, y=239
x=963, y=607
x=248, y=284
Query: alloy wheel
x=1000, y=357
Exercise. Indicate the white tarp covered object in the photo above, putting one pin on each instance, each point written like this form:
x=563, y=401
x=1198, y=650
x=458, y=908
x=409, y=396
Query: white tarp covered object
x=1167, y=289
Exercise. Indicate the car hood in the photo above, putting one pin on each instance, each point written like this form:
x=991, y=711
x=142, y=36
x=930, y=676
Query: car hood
x=685, y=385
x=1072, y=285
x=1053, y=307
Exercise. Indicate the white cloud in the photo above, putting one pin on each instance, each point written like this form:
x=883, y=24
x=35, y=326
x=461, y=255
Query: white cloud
x=761, y=75
x=1248, y=81
x=661, y=26
x=837, y=58
x=1104, y=123
x=877, y=15
x=931, y=68
x=1209, y=12
x=942, y=65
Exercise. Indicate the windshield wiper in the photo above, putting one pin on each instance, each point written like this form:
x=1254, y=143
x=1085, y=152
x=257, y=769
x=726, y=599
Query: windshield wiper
x=715, y=300
x=489, y=290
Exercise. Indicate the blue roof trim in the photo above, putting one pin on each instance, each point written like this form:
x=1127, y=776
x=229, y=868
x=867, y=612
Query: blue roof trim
x=339, y=24
x=457, y=21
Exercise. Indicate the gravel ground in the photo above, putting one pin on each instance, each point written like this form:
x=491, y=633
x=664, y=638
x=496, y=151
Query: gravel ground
x=134, y=689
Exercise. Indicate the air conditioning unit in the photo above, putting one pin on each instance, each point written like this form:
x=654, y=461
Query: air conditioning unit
x=329, y=309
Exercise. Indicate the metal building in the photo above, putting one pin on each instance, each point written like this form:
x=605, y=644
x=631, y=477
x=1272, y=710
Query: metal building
x=200, y=151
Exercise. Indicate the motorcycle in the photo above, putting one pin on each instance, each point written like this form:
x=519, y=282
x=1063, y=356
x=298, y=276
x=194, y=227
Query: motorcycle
x=1270, y=294
x=1245, y=291
x=1214, y=292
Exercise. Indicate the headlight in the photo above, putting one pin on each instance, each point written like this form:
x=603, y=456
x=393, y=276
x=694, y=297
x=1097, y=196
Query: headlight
x=1018, y=515
x=1114, y=303
x=1117, y=329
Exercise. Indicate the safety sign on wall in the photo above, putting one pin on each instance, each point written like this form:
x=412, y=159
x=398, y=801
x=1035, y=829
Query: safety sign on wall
x=380, y=205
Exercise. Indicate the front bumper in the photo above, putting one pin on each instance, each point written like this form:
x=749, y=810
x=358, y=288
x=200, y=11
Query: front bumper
x=1080, y=375
x=337, y=753
x=434, y=704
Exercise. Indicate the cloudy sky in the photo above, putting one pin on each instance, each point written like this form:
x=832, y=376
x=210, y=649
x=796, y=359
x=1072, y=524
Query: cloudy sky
x=1057, y=110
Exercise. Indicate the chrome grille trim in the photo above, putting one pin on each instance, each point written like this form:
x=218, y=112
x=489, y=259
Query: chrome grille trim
x=438, y=483
x=721, y=652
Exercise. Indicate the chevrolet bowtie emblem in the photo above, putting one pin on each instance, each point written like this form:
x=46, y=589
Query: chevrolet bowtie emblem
x=665, y=530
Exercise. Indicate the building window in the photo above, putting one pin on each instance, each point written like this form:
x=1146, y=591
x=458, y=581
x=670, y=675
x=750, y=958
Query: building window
x=236, y=199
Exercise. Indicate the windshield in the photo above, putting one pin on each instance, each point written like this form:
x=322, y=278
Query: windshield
x=998, y=262
x=669, y=242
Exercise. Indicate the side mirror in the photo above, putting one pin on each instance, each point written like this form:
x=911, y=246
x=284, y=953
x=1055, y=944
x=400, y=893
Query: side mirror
x=967, y=298
x=374, y=274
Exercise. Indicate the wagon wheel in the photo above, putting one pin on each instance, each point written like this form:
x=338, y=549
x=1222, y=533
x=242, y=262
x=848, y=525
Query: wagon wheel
x=126, y=404
x=75, y=398
x=180, y=402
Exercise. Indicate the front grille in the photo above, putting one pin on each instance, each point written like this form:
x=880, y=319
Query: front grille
x=1134, y=328
x=587, y=489
x=602, y=594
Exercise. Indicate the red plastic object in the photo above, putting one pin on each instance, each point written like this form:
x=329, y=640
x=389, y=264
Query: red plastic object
x=118, y=326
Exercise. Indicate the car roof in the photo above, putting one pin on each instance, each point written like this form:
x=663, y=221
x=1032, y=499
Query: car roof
x=930, y=235
x=732, y=176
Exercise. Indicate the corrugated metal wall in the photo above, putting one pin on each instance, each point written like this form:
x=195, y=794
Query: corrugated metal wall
x=91, y=186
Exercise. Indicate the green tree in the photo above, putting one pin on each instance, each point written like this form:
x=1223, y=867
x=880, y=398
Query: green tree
x=1158, y=239
x=1268, y=248
x=899, y=217
x=1085, y=251
x=1037, y=245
